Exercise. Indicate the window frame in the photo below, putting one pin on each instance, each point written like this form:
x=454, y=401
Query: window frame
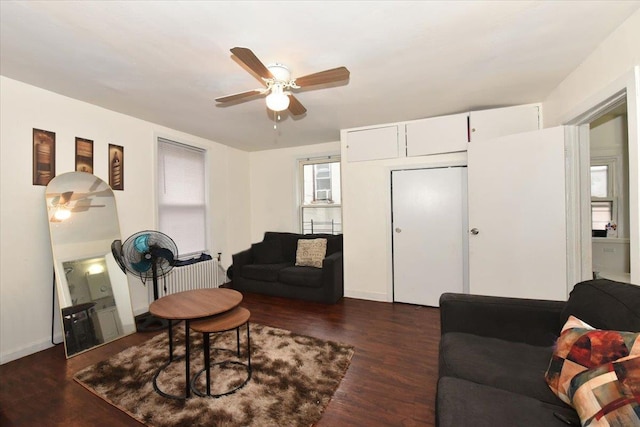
x=611, y=162
x=317, y=204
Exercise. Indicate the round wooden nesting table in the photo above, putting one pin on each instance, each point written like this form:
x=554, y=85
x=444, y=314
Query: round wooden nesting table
x=230, y=320
x=187, y=306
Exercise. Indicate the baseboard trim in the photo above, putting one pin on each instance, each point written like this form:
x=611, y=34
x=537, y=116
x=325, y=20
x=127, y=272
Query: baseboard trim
x=371, y=296
x=27, y=350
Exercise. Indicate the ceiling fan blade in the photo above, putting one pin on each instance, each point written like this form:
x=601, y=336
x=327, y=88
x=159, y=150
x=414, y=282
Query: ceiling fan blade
x=295, y=107
x=239, y=96
x=65, y=197
x=107, y=192
x=81, y=207
x=251, y=60
x=327, y=76
x=95, y=185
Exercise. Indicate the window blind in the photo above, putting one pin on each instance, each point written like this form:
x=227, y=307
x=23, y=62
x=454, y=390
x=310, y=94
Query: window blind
x=181, y=195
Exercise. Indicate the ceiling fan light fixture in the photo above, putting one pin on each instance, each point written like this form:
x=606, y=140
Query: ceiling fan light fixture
x=62, y=213
x=95, y=269
x=277, y=100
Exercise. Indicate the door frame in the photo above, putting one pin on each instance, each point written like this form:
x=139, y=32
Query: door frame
x=579, y=251
x=444, y=160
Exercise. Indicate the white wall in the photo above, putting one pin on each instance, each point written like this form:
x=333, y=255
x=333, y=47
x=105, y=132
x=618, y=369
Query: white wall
x=235, y=223
x=25, y=257
x=611, y=256
x=616, y=55
x=275, y=190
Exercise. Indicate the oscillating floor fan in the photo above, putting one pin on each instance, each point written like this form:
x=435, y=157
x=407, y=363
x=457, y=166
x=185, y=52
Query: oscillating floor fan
x=148, y=255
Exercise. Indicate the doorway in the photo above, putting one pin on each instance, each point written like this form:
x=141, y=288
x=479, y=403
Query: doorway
x=578, y=177
x=609, y=194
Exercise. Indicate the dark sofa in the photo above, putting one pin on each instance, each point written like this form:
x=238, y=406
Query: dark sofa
x=494, y=352
x=268, y=267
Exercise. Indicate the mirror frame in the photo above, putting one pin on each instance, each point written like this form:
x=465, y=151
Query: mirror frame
x=82, y=238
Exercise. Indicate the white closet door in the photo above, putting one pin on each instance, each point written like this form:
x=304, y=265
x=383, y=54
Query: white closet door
x=517, y=216
x=429, y=234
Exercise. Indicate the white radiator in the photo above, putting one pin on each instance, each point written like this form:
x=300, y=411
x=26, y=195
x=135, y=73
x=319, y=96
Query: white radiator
x=205, y=274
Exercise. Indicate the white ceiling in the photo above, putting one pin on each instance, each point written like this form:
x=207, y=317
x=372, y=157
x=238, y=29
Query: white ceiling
x=166, y=61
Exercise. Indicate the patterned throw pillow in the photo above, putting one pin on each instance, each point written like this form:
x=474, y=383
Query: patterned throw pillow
x=608, y=395
x=581, y=347
x=311, y=252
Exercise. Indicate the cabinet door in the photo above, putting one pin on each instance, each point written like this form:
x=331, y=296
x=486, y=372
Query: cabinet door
x=107, y=324
x=517, y=217
x=497, y=122
x=445, y=134
x=373, y=144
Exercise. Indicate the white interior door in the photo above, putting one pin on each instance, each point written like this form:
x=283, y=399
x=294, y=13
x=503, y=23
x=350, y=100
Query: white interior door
x=517, y=208
x=429, y=234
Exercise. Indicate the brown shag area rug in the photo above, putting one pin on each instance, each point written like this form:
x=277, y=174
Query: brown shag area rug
x=293, y=379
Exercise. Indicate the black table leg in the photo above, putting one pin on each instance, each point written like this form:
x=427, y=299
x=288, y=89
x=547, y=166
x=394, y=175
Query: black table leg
x=238, y=340
x=171, y=360
x=186, y=359
x=207, y=361
x=170, y=342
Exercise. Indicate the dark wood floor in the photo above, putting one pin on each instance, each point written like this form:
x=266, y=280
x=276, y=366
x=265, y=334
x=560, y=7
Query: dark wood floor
x=391, y=380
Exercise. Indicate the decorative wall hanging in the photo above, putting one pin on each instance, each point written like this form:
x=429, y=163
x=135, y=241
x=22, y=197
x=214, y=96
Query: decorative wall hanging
x=84, y=155
x=44, y=156
x=116, y=167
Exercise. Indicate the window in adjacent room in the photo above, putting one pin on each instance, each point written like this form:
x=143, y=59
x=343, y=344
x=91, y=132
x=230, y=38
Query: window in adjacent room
x=321, y=203
x=182, y=208
x=603, y=201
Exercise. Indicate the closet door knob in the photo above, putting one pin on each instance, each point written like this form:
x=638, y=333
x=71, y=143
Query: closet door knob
x=475, y=231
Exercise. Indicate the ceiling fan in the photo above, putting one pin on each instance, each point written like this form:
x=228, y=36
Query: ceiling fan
x=63, y=204
x=279, y=83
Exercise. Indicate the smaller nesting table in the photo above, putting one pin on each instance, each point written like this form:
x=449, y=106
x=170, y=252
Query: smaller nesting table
x=228, y=321
x=188, y=306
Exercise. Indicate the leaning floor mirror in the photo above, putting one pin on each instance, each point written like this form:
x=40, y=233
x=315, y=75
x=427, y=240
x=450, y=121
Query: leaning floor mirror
x=93, y=292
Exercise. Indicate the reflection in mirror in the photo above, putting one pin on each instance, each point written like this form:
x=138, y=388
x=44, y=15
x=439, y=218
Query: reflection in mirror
x=92, y=290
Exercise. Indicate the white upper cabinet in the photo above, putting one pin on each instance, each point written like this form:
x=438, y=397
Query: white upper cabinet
x=497, y=122
x=438, y=135
x=373, y=144
x=444, y=134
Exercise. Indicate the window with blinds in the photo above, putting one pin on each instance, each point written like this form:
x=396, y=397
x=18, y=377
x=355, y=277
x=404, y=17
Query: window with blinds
x=181, y=195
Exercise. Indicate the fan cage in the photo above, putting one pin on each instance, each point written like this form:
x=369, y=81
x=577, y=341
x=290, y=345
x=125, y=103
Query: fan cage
x=146, y=250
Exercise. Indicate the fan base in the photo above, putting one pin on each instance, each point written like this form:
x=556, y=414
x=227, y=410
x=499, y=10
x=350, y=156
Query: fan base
x=147, y=322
